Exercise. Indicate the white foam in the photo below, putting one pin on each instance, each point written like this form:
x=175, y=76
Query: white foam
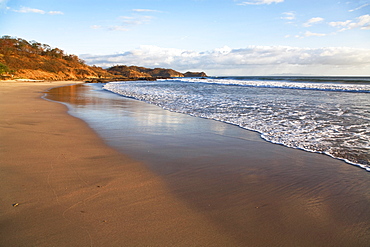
x=282, y=84
x=324, y=122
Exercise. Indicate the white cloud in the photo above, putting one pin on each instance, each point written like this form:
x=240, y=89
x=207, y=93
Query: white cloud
x=95, y=27
x=339, y=23
x=250, y=60
x=118, y=28
x=30, y=10
x=361, y=22
x=310, y=34
x=55, y=13
x=136, y=20
x=288, y=16
x=312, y=21
x=26, y=10
x=126, y=22
x=259, y=2
x=358, y=8
x=145, y=10
x=224, y=50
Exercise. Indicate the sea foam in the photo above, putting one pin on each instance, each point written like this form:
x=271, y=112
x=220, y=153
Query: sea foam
x=328, y=118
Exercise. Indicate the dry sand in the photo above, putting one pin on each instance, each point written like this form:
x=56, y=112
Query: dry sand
x=60, y=185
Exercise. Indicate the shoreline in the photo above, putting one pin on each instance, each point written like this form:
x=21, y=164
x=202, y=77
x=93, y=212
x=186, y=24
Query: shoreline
x=261, y=194
x=62, y=186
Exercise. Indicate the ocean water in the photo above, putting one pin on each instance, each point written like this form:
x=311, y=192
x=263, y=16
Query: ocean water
x=329, y=115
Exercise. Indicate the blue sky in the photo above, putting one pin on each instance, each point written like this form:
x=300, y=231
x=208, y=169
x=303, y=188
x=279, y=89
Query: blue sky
x=220, y=37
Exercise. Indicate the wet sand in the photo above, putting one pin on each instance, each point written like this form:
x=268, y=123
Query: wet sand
x=182, y=181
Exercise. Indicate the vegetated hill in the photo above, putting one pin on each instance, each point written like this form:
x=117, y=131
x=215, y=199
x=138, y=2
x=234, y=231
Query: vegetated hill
x=141, y=72
x=32, y=60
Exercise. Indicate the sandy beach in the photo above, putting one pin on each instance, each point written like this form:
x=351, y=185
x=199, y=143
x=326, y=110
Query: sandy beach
x=62, y=185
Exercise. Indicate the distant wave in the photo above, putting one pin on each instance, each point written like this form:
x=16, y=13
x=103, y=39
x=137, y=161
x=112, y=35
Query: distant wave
x=320, y=79
x=357, y=88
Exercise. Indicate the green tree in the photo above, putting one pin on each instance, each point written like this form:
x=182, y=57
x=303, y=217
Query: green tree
x=3, y=68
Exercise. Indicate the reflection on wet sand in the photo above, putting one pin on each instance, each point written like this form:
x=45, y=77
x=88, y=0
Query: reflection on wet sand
x=259, y=192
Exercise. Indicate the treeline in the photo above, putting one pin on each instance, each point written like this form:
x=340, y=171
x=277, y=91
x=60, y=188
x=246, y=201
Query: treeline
x=33, y=60
x=18, y=46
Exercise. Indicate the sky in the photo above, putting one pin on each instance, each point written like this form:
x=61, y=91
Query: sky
x=220, y=37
